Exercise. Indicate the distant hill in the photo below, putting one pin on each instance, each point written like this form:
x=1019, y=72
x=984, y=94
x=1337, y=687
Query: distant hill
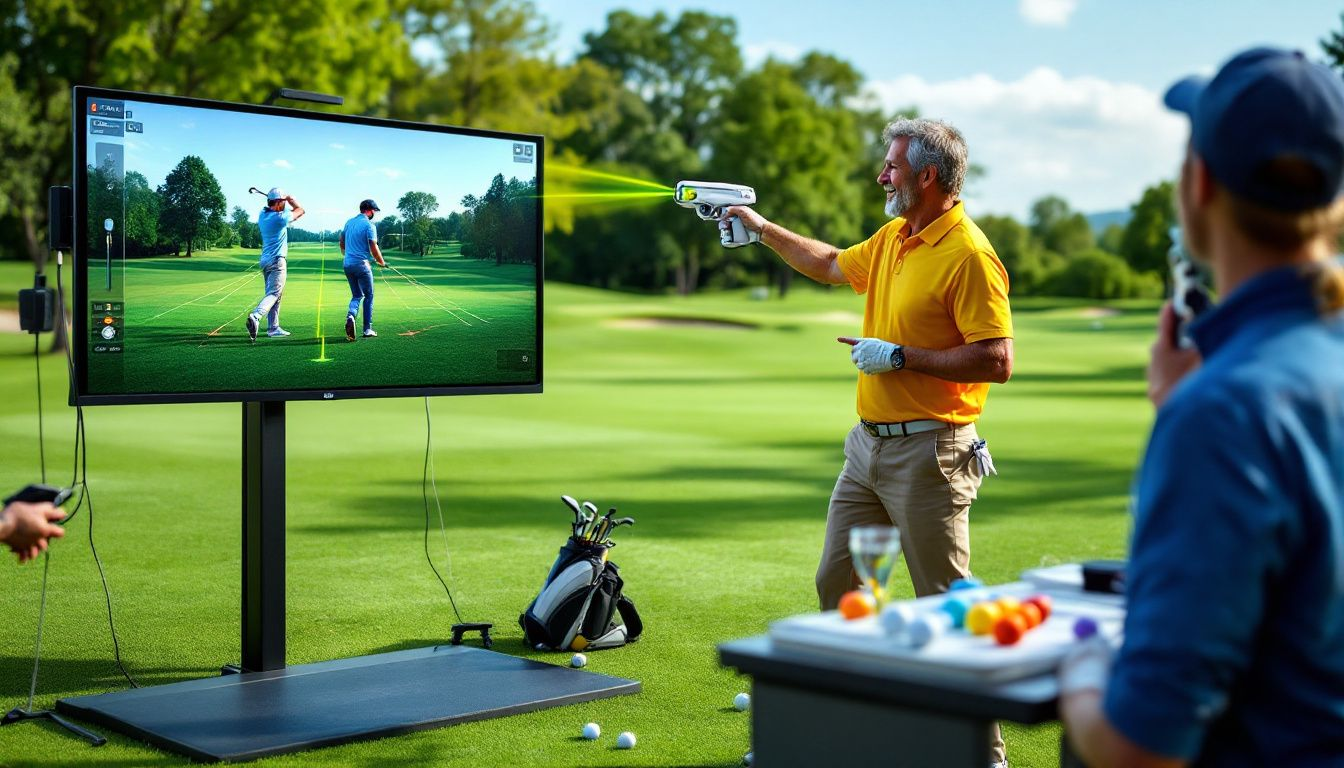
x=1103, y=219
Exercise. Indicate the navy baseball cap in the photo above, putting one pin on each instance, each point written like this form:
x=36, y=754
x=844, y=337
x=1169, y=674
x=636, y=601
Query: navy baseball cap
x=1264, y=105
x=369, y=205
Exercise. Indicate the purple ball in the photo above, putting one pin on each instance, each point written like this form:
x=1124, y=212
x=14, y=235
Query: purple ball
x=1084, y=628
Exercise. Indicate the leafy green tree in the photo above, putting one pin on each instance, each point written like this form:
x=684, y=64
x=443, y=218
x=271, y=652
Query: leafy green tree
x=142, y=215
x=1112, y=238
x=1147, y=237
x=1059, y=228
x=192, y=206
x=1094, y=274
x=221, y=50
x=1333, y=45
x=1017, y=250
x=797, y=153
x=1045, y=214
x=417, y=208
x=249, y=234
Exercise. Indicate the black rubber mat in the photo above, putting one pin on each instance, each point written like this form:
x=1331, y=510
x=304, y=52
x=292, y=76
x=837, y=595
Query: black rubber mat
x=254, y=715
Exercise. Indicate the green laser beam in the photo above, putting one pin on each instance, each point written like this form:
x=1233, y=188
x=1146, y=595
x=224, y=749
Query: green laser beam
x=595, y=195
x=321, y=281
x=630, y=180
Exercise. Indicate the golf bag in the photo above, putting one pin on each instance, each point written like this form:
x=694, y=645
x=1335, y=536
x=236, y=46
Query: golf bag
x=578, y=604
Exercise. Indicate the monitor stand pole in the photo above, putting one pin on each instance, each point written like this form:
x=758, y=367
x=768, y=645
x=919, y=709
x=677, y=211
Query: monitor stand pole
x=263, y=595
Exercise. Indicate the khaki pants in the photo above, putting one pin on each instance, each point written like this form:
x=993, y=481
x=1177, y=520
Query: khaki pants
x=924, y=485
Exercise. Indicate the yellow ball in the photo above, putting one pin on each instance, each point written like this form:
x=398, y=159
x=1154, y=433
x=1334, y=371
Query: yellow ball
x=1009, y=605
x=981, y=618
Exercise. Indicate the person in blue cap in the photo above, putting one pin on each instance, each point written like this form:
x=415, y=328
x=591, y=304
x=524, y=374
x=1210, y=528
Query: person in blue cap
x=273, y=222
x=1233, y=649
x=359, y=244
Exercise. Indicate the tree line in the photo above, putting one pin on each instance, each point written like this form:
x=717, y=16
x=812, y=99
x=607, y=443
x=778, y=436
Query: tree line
x=654, y=96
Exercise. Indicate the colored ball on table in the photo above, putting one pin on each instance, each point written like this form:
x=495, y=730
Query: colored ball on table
x=741, y=702
x=966, y=583
x=626, y=740
x=981, y=617
x=1084, y=628
x=928, y=627
x=1044, y=603
x=895, y=618
x=956, y=608
x=1032, y=614
x=1009, y=604
x=591, y=731
x=856, y=604
x=1009, y=629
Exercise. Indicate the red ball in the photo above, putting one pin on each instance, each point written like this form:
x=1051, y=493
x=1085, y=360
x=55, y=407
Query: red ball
x=1042, y=602
x=1010, y=629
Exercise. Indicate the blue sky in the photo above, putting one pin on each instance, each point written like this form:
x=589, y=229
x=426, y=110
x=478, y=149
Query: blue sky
x=1054, y=96
x=328, y=167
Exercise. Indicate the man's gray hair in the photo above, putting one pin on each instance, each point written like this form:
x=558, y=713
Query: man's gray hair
x=932, y=142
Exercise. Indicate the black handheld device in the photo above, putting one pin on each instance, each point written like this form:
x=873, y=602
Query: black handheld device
x=37, y=493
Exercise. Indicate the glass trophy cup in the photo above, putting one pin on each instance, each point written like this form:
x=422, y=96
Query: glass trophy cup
x=875, y=549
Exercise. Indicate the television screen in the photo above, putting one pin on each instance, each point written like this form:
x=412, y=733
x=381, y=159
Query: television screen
x=237, y=252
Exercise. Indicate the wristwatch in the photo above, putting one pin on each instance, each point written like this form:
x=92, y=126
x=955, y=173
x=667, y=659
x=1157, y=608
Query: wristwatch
x=897, y=358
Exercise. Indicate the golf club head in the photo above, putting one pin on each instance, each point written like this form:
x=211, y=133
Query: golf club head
x=573, y=504
x=591, y=507
x=623, y=521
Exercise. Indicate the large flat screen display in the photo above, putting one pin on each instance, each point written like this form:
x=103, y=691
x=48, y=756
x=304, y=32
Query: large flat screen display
x=231, y=252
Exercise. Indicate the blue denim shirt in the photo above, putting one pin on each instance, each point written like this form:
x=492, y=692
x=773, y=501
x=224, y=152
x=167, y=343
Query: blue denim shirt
x=1234, y=639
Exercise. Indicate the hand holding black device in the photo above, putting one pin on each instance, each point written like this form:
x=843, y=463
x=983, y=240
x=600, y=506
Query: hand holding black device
x=36, y=493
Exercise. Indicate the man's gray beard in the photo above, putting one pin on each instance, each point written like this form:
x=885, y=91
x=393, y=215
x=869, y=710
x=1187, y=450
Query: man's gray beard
x=901, y=202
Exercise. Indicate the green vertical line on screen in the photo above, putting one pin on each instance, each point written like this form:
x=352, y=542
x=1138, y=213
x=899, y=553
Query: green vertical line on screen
x=321, y=281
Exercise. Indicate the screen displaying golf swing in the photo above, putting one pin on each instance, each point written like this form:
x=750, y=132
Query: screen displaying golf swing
x=237, y=252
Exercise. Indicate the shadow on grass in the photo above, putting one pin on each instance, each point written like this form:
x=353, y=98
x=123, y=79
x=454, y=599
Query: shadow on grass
x=1025, y=486
x=73, y=677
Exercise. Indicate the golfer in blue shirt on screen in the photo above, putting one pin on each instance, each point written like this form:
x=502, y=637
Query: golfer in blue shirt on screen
x=359, y=244
x=1233, y=650
x=274, y=224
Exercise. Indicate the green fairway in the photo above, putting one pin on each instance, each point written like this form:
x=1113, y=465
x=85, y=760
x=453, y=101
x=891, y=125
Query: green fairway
x=441, y=320
x=722, y=441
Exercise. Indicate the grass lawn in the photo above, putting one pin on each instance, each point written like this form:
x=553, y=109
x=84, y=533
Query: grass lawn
x=441, y=318
x=723, y=442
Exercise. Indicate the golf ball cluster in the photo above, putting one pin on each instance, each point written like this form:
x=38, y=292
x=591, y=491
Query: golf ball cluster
x=578, y=660
x=741, y=702
x=591, y=731
x=626, y=740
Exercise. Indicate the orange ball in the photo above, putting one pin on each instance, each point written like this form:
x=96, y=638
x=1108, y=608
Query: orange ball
x=1032, y=613
x=1042, y=602
x=1009, y=629
x=856, y=604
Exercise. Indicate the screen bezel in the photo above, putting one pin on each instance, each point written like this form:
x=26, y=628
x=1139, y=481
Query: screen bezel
x=79, y=391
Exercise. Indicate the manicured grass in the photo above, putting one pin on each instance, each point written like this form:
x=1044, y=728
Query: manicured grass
x=723, y=442
x=441, y=320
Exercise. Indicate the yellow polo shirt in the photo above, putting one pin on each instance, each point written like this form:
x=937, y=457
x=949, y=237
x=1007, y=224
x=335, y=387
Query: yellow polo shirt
x=939, y=289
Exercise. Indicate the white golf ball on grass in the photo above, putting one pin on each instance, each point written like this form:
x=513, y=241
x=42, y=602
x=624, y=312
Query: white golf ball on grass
x=626, y=740
x=741, y=702
x=578, y=660
x=591, y=731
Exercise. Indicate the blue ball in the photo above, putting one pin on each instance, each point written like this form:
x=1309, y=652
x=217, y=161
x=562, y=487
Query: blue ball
x=956, y=607
x=966, y=583
x=1084, y=628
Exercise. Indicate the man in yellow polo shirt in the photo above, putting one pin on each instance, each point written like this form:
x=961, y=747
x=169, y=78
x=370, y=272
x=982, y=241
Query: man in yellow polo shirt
x=936, y=331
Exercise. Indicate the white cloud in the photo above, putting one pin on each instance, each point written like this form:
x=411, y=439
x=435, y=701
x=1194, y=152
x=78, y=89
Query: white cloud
x=335, y=145
x=1094, y=142
x=282, y=164
x=351, y=162
x=755, y=53
x=1047, y=13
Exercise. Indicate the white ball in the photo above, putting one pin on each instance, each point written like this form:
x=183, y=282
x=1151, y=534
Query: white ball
x=746, y=759
x=741, y=702
x=626, y=740
x=896, y=617
x=578, y=660
x=591, y=731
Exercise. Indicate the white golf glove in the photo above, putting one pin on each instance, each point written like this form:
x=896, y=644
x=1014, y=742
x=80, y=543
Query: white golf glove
x=1087, y=667
x=872, y=356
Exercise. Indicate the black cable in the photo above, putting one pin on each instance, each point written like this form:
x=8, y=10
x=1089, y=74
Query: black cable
x=425, y=480
x=82, y=475
x=41, y=435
